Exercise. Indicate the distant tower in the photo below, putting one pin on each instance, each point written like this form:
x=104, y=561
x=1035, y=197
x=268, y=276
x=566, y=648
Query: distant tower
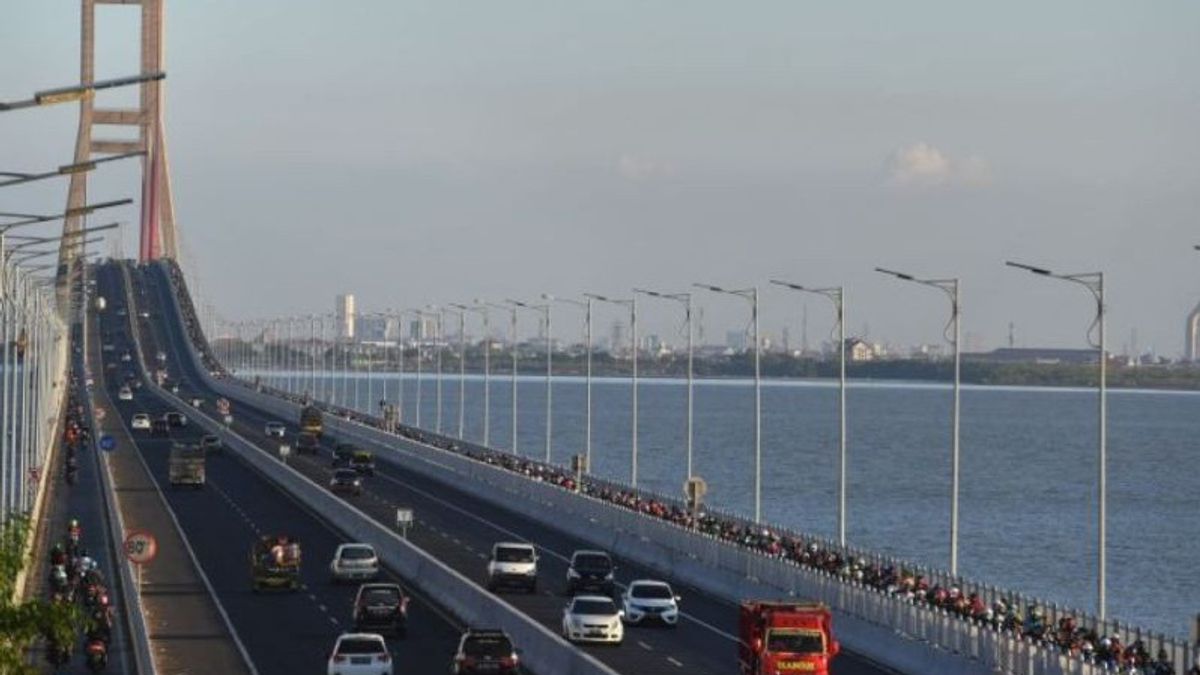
x=804, y=330
x=158, y=233
x=1192, y=334
x=1012, y=335
x=344, y=309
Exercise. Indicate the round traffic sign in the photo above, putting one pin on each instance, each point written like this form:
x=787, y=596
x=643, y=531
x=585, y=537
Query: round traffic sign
x=108, y=443
x=140, y=547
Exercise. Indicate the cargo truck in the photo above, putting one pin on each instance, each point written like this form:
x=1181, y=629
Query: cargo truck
x=186, y=465
x=778, y=637
x=311, y=420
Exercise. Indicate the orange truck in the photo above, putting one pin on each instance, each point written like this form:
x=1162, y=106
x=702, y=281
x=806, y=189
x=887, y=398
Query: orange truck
x=784, y=638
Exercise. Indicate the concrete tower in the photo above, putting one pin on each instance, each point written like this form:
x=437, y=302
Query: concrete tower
x=158, y=234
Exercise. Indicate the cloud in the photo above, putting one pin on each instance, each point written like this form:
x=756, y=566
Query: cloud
x=921, y=165
x=639, y=168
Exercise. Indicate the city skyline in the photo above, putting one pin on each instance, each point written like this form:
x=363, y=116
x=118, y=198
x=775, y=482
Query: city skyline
x=806, y=143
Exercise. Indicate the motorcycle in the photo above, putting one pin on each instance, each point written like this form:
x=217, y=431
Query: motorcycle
x=96, y=655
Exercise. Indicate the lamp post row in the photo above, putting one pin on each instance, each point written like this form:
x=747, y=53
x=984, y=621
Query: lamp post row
x=951, y=287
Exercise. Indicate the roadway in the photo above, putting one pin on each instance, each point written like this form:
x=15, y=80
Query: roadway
x=83, y=501
x=459, y=528
x=282, y=632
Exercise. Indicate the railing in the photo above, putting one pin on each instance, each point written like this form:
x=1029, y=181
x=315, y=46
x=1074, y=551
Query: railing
x=1005, y=650
x=33, y=371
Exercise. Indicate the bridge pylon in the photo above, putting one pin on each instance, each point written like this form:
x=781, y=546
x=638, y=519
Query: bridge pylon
x=157, y=222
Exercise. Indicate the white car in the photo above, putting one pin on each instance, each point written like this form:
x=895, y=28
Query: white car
x=592, y=618
x=645, y=601
x=360, y=654
x=125, y=394
x=354, y=561
x=512, y=564
x=140, y=421
x=276, y=429
x=126, y=357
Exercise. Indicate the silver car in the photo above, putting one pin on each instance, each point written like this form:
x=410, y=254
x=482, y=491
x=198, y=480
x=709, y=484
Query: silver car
x=354, y=562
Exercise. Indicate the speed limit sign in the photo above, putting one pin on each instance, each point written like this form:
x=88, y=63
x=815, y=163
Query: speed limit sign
x=140, y=547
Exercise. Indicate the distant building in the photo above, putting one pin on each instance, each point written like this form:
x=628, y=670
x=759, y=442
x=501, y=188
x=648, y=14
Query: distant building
x=377, y=328
x=345, y=313
x=616, y=339
x=859, y=350
x=1035, y=355
x=735, y=340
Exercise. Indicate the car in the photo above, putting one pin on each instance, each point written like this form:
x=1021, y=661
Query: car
x=125, y=394
x=646, y=600
x=162, y=356
x=383, y=607
x=346, y=481
x=159, y=427
x=276, y=429
x=176, y=419
x=485, y=651
x=211, y=443
x=512, y=564
x=364, y=463
x=590, y=570
x=360, y=654
x=126, y=357
x=307, y=442
x=344, y=450
x=354, y=562
x=140, y=421
x=592, y=618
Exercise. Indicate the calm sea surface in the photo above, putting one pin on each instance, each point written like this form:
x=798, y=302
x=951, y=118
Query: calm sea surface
x=1029, y=470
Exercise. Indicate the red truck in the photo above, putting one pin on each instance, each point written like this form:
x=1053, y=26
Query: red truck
x=782, y=638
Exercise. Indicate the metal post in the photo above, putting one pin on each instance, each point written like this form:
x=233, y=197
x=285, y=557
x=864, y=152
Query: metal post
x=757, y=416
x=951, y=288
x=588, y=416
x=440, y=332
x=487, y=376
x=841, y=319
x=514, y=380
x=1102, y=545
x=751, y=295
x=549, y=382
x=400, y=370
x=462, y=372
x=1094, y=283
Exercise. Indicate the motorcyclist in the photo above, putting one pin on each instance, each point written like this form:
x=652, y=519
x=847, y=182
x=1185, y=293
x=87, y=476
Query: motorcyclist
x=96, y=655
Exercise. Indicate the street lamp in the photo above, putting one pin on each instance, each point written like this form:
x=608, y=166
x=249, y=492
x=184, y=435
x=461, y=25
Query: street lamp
x=837, y=296
x=632, y=303
x=78, y=91
x=64, y=170
x=951, y=288
x=586, y=304
x=512, y=309
x=482, y=310
x=436, y=312
x=462, y=366
x=684, y=299
x=30, y=219
x=751, y=295
x=1094, y=283
x=545, y=309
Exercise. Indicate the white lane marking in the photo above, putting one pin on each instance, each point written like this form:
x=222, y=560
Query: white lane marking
x=552, y=552
x=674, y=661
x=645, y=646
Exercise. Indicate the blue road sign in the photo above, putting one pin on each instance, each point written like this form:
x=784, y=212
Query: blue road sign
x=108, y=443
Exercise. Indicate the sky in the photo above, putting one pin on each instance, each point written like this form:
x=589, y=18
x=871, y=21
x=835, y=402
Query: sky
x=435, y=152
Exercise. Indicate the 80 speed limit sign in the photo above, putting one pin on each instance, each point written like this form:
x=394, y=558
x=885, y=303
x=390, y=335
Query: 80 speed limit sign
x=140, y=547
